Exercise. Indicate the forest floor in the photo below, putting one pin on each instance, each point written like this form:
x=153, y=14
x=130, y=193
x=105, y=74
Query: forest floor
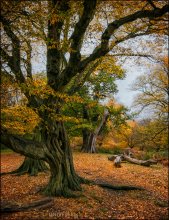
x=96, y=202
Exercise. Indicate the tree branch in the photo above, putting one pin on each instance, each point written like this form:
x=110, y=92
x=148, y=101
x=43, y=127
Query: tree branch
x=82, y=77
x=103, y=48
x=7, y=58
x=77, y=40
x=33, y=149
x=54, y=55
x=28, y=60
x=80, y=29
x=14, y=60
x=152, y=4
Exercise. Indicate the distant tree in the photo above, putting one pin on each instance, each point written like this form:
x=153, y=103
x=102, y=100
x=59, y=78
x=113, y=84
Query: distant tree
x=126, y=135
x=153, y=91
x=98, y=87
x=151, y=135
x=153, y=96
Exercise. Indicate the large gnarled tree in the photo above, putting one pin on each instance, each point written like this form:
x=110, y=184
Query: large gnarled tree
x=65, y=34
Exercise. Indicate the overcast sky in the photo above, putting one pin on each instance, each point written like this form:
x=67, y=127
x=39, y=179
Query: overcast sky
x=133, y=70
x=125, y=95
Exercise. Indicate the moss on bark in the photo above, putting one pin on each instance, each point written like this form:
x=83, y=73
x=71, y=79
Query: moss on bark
x=31, y=167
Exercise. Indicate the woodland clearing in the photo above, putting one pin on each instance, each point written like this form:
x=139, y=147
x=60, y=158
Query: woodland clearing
x=95, y=202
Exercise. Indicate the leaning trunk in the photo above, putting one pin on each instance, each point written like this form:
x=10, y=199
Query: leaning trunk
x=89, y=142
x=90, y=138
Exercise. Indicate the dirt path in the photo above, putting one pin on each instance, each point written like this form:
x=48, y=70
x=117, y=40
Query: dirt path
x=96, y=203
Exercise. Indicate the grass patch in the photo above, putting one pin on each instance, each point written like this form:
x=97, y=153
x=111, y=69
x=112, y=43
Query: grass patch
x=105, y=151
x=151, y=154
x=6, y=151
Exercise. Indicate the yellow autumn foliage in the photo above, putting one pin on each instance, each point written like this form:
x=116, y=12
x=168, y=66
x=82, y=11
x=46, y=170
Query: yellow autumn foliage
x=19, y=119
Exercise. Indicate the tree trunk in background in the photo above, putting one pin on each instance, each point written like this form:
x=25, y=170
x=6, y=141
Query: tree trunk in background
x=89, y=141
x=86, y=136
x=90, y=138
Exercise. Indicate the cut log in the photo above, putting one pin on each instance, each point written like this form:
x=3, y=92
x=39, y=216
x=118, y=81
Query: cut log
x=43, y=203
x=117, y=161
x=113, y=157
x=146, y=163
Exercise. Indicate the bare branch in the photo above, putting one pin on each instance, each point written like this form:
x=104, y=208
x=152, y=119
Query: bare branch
x=152, y=4
x=14, y=61
x=80, y=29
x=103, y=48
x=77, y=40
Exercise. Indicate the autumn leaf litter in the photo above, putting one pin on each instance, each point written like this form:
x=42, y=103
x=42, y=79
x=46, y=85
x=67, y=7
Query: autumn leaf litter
x=95, y=202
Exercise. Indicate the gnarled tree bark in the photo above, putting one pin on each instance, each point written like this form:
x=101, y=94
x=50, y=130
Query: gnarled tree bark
x=31, y=166
x=55, y=150
x=54, y=147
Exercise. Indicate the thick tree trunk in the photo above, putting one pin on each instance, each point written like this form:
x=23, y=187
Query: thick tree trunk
x=88, y=145
x=55, y=150
x=63, y=178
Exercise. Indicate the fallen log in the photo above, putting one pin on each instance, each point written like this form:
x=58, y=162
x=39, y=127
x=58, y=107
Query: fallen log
x=124, y=157
x=146, y=163
x=43, y=203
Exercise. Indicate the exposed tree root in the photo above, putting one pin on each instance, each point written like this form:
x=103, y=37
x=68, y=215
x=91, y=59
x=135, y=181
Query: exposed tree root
x=43, y=203
x=122, y=187
x=30, y=166
x=113, y=187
